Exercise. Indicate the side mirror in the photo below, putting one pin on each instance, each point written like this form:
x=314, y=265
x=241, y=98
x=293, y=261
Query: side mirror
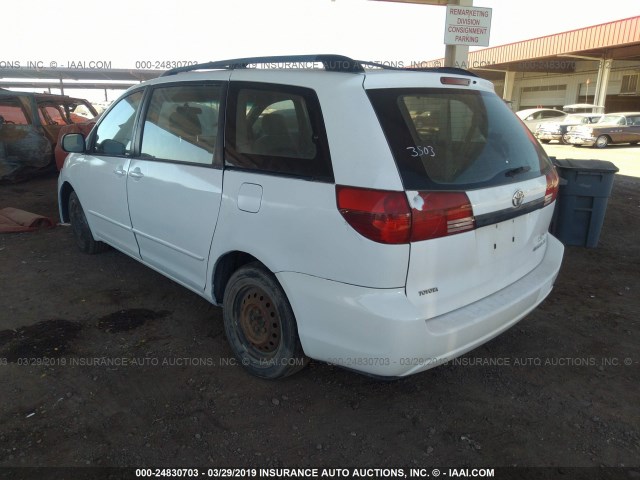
x=73, y=143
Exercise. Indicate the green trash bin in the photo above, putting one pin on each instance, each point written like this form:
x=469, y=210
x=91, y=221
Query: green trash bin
x=585, y=188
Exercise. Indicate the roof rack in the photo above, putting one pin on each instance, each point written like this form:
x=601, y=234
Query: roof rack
x=331, y=63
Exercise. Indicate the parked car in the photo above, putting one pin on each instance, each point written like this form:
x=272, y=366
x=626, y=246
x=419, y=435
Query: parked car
x=309, y=205
x=549, y=131
x=29, y=127
x=611, y=128
x=532, y=117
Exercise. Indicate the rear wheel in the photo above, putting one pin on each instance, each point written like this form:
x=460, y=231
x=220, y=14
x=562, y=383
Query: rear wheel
x=260, y=324
x=80, y=228
x=564, y=139
x=602, y=141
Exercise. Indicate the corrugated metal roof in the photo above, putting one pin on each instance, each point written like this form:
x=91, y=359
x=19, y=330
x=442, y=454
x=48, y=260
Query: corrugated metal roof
x=598, y=37
x=617, y=39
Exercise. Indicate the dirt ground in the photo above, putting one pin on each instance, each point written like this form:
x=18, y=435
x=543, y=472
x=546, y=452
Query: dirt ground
x=104, y=362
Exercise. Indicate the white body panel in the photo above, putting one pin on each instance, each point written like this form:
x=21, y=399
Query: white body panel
x=299, y=229
x=101, y=185
x=174, y=209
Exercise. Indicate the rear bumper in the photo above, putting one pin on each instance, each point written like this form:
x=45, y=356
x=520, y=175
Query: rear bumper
x=380, y=332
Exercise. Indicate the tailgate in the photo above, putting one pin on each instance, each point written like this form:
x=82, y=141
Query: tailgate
x=453, y=271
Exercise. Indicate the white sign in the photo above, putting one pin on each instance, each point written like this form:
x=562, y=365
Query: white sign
x=467, y=26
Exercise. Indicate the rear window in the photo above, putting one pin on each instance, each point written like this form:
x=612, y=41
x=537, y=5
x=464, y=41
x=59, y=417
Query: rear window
x=450, y=139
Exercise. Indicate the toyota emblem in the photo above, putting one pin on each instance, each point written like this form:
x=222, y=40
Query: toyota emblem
x=517, y=198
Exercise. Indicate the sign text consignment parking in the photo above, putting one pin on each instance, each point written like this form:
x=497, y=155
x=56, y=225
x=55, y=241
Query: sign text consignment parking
x=467, y=26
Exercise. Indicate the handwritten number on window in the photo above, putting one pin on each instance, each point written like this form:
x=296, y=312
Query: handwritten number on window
x=422, y=151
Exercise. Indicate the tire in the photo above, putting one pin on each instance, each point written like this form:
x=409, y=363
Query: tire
x=634, y=143
x=563, y=139
x=80, y=228
x=602, y=141
x=260, y=325
x=545, y=141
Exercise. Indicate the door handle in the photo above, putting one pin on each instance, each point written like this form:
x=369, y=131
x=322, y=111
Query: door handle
x=120, y=172
x=136, y=173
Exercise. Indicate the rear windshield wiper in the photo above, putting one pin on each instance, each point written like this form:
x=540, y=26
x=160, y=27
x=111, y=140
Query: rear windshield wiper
x=516, y=171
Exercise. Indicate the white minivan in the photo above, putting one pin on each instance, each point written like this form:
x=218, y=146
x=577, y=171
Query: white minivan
x=384, y=220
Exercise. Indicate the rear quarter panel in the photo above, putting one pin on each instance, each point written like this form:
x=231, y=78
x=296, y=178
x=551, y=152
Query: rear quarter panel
x=298, y=228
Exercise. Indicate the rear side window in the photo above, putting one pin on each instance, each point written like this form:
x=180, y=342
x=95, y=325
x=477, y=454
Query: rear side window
x=277, y=129
x=181, y=124
x=456, y=139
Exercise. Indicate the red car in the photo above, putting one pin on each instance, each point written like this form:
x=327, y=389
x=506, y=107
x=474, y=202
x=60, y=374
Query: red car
x=30, y=125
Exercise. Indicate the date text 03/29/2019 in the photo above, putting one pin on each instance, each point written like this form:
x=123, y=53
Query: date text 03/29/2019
x=316, y=472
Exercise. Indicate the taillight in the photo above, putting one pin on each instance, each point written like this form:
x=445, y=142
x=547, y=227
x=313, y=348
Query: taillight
x=552, y=187
x=438, y=214
x=385, y=216
x=379, y=215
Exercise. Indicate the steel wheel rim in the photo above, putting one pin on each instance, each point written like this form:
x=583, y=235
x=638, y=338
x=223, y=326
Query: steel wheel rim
x=601, y=142
x=259, y=321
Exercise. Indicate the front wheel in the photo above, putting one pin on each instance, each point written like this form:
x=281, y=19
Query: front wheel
x=260, y=324
x=602, y=141
x=80, y=228
x=564, y=140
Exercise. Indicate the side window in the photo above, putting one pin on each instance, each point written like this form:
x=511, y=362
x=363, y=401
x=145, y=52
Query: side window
x=12, y=113
x=181, y=123
x=277, y=129
x=51, y=115
x=633, y=121
x=114, y=135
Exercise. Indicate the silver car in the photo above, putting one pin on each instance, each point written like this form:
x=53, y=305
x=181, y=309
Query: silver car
x=532, y=117
x=547, y=131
